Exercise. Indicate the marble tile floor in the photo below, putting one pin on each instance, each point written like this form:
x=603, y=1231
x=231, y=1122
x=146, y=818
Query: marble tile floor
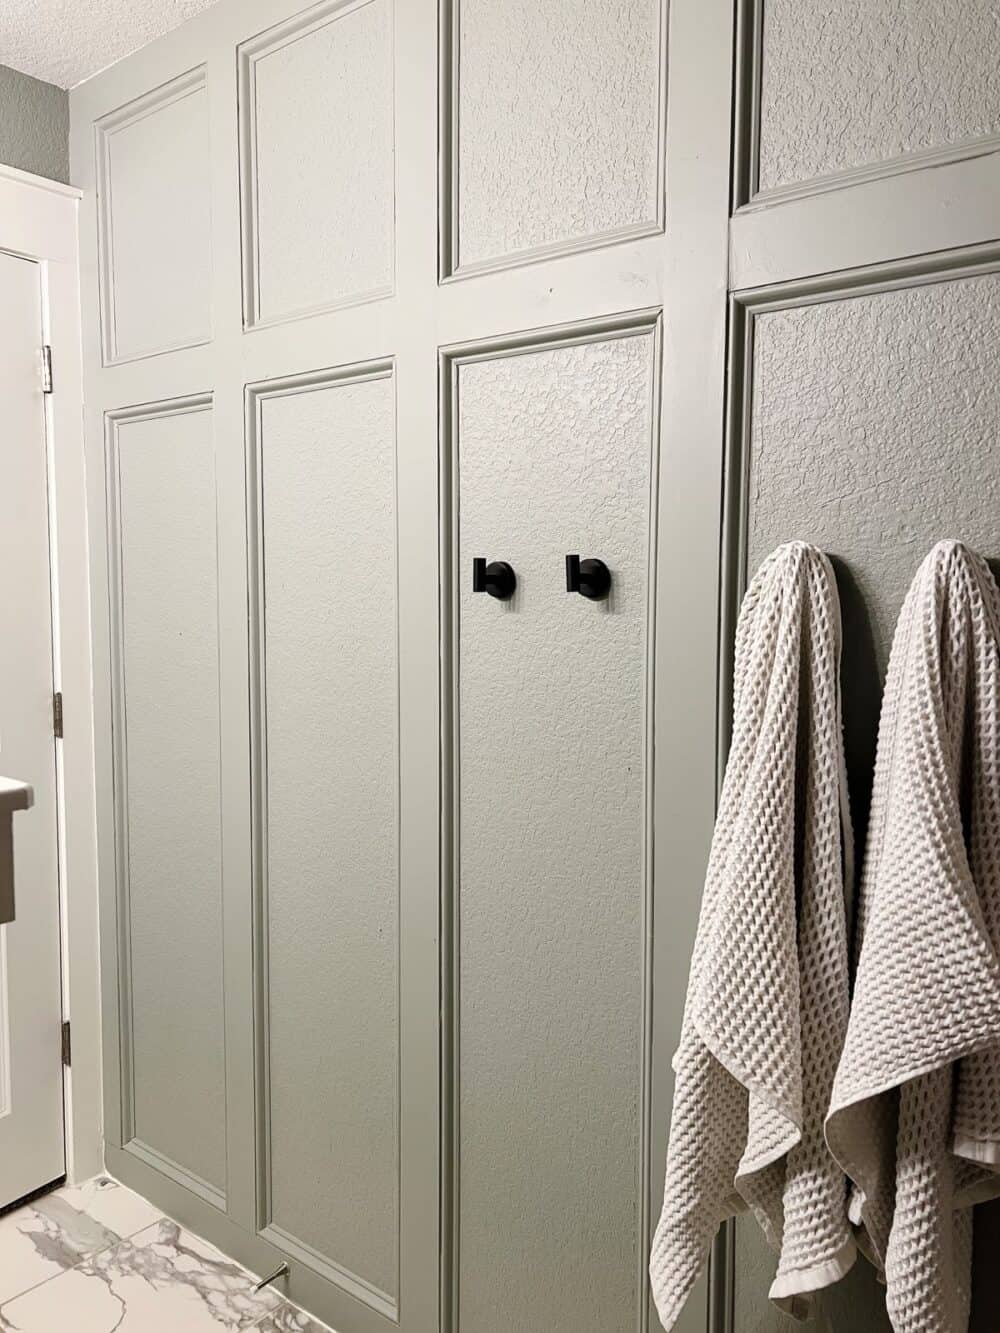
x=96, y=1258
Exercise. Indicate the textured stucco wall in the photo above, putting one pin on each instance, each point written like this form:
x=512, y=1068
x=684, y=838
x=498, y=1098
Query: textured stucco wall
x=853, y=83
x=34, y=125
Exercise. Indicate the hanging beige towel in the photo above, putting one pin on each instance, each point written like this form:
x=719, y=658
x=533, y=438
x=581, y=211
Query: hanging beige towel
x=915, y=1113
x=767, y=999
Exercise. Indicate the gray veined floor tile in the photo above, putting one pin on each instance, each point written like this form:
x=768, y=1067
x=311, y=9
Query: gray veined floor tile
x=58, y=1230
x=288, y=1319
x=114, y=1206
x=163, y=1280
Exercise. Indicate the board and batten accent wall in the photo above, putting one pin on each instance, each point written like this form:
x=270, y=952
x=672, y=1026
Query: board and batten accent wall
x=864, y=413
x=378, y=865
x=389, y=286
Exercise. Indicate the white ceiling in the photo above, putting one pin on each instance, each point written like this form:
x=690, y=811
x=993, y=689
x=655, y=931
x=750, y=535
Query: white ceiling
x=66, y=41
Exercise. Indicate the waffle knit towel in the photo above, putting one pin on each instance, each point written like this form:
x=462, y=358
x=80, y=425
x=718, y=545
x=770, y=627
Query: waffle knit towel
x=767, y=999
x=915, y=1113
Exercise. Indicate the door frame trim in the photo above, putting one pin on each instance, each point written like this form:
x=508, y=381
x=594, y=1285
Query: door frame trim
x=38, y=221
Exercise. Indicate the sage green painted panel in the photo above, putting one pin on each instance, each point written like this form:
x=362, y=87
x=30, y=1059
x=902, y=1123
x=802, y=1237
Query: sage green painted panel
x=317, y=99
x=875, y=426
x=856, y=83
x=331, y=825
x=155, y=200
x=555, y=136
x=170, y=707
x=875, y=422
x=554, y=455
x=855, y=1305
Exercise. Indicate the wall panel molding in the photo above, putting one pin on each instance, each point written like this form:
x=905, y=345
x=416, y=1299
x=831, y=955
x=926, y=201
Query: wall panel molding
x=966, y=151
x=155, y=102
x=381, y=1302
x=745, y=307
x=908, y=215
x=114, y=421
x=177, y=1173
x=747, y=190
x=908, y=271
x=365, y=1292
x=451, y=264
x=290, y=40
x=635, y=324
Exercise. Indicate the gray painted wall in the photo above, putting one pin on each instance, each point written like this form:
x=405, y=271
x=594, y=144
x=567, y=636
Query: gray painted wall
x=34, y=125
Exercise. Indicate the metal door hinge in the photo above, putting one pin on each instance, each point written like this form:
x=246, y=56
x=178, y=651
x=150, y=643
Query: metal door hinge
x=57, y=715
x=46, y=369
x=66, y=1044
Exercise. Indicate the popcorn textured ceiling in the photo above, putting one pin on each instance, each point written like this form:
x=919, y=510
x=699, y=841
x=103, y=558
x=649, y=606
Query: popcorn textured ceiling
x=66, y=41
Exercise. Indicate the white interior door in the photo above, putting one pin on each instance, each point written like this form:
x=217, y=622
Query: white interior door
x=31, y=1094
